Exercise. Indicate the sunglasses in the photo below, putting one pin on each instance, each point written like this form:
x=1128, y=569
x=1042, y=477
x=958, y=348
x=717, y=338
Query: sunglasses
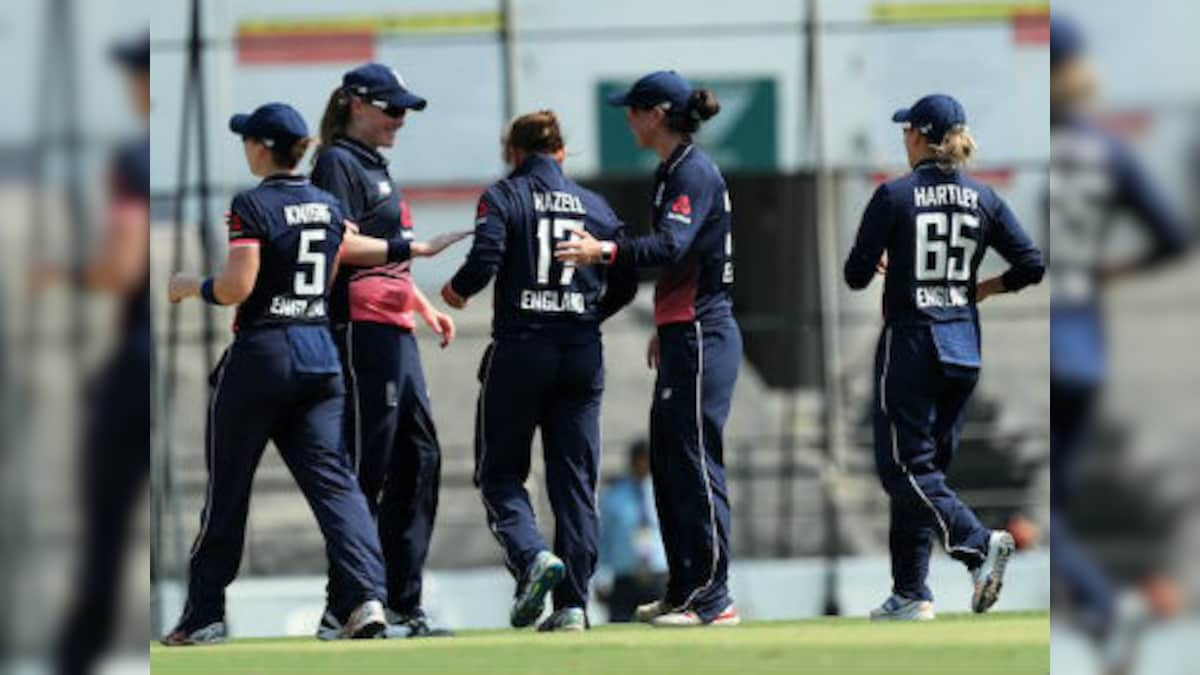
x=393, y=111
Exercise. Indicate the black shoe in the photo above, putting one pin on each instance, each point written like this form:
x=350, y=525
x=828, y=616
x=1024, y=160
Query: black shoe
x=418, y=624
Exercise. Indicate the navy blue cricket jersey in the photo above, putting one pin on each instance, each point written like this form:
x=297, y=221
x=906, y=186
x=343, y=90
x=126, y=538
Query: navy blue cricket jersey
x=298, y=229
x=692, y=240
x=518, y=223
x=936, y=226
x=358, y=175
x=1093, y=178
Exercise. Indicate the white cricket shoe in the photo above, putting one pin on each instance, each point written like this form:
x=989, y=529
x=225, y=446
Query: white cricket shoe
x=897, y=608
x=329, y=628
x=688, y=619
x=567, y=619
x=366, y=621
x=213, y=633
x=543, y=575
x=989, y=577
x=647, y=612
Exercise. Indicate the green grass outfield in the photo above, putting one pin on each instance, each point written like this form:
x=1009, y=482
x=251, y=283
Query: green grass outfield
x=1008, y=643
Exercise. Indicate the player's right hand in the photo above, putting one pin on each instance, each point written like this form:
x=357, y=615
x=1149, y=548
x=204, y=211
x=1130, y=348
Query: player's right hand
x=652, y=353
x=439, y=243
x=881, y=266
x=181, y=287
x=452, y=297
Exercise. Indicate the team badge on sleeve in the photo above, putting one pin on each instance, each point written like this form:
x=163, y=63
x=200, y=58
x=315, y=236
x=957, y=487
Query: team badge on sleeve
x=481, y=212
x=237, y=231
x=681, y=210
x=406, y=220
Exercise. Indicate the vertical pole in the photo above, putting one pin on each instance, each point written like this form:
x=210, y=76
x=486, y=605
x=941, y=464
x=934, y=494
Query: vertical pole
x=179, y=242
x=828, y=257
x=196, y=45
x=508, y=59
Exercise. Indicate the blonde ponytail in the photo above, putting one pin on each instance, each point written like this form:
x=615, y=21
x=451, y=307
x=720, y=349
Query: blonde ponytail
x=956, y=149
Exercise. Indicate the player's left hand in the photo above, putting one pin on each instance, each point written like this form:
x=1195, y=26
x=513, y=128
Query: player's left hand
x=441, y=324
x=181, y=287
x=881, y=266
x=581, y=249
x=452, y=298
x=428, y=249
x=44, y=275
x=987, y=288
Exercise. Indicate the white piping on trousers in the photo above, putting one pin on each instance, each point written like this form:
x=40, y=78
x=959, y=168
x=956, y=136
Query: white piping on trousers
x=482, y=439
x=712, y=513
x=212, y=454
x=212, y=469
x=357, y=440
x=887, y=360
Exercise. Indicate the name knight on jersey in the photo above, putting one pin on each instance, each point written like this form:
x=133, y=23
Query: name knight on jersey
x=307, y=214
x=558, y=202
x=551, y=301
x=942, y=296
x=947, y=194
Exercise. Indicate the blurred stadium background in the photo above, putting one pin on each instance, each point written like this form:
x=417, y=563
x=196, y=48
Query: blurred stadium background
x=807, y=89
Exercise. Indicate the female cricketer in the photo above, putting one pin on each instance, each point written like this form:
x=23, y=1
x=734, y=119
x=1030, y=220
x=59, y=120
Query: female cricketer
x=281, y=379
x=697, y=349
x=544, y=368
x=1094, y=177
x=928, y=230
x=389, y=427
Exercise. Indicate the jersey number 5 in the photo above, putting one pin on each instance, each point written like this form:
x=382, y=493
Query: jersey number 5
x=310, y=282
x=943, y=253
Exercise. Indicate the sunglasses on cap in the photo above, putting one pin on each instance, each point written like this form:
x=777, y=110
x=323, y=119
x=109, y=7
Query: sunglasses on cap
x=393, y=111
x=269, y=142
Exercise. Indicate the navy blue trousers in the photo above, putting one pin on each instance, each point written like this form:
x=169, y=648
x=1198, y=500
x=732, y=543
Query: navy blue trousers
x=919, y=406
x=393, y=445
x=282, y=385
x=697, y=371
x=1074, y=573
x=530, y=382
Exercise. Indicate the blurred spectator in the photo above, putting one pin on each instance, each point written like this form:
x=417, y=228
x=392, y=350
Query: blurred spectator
x=1094, y=177
x=116, y=448
x=633, y=563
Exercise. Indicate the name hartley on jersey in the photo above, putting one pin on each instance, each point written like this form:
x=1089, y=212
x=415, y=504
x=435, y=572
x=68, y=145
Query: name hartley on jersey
x=946, y=194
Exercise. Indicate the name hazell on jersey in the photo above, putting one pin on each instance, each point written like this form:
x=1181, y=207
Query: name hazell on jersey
x=557, y=202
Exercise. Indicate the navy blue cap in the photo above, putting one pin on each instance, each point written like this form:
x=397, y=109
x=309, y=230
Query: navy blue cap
x=134, y=53
x=1066, y=39
x=377, y=82
x=663, y=86
x=271, y=123
x=933, y=116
